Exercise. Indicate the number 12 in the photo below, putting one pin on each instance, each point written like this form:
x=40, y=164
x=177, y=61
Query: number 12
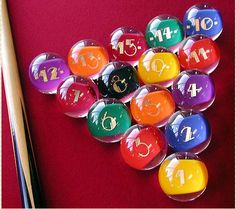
x=44, y=75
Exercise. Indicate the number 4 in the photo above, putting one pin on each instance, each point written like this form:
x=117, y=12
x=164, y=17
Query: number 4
x=193, y=90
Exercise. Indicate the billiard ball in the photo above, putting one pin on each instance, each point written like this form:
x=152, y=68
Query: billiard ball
x=188, y=131
x=183, y=176
x=75, y=96
x=87, y=58
x=108, y=119
x=118, y=80
x=143, y=147
x=193, y=90
x=203, y=19
x=199, y=52
x=127, y=45
x=152, y=105
x=158, y=66
x=47, y=71
x=165, y=31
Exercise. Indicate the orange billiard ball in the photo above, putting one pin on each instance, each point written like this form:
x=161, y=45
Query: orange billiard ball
x=152, y=105
x=87, y=58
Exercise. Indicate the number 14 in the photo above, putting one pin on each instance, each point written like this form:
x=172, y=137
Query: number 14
x=166, y=32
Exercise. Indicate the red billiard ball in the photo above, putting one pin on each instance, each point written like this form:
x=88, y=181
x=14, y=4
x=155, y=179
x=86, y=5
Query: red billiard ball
x=143, y=147
x=127, y=45
x=200, y=53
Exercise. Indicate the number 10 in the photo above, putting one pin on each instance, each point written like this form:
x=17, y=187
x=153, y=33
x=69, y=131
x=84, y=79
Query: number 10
x=203, y=23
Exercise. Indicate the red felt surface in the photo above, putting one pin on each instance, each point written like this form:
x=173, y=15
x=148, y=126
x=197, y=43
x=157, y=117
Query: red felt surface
x=75, y=169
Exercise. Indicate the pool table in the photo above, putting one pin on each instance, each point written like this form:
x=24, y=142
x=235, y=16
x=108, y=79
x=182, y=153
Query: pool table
x=76, y=170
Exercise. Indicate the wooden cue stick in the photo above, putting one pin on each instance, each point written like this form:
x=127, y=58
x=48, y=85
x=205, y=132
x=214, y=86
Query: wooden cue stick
x=21, y=140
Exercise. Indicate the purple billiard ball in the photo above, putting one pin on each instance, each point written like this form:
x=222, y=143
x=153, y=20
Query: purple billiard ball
x=193, y=90
x=47, y=71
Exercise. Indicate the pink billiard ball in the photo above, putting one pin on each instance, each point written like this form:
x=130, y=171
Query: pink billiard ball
x=127, y=45
x=76, y=95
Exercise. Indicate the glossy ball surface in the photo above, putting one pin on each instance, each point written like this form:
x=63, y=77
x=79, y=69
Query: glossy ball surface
x=164, y=31
x=193, y=90
x=152, y=105
x=87, y=58
x=203, y=19
x=127, y=45
x=158, y=66
x=200, y=53
x=76, y=95
x=108, y=119
x=47, y=71
x=188, y=131
x=118, y=80
x=143, y=147
x=183, y=176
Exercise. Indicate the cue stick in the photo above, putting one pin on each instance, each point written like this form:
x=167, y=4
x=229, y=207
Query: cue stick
x=21, y=140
